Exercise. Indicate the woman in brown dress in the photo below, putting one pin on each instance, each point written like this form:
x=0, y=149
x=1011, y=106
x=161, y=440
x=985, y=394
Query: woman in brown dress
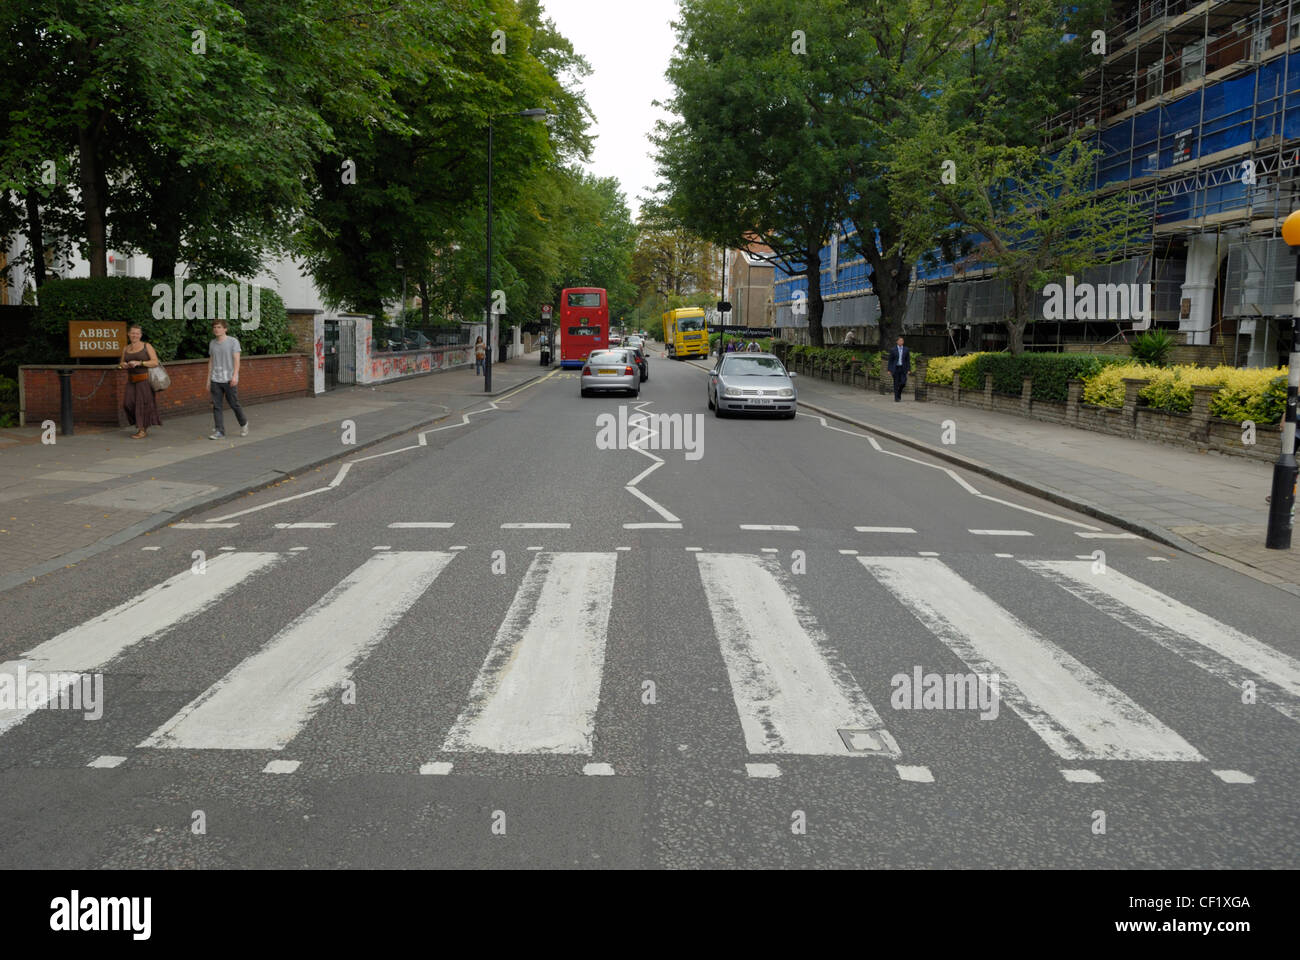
x=138, y=401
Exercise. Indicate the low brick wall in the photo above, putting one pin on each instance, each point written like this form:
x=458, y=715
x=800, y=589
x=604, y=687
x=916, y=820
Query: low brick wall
x=97, y=390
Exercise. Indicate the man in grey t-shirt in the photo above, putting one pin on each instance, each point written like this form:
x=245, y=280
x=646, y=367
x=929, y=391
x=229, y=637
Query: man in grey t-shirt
x=223, y=379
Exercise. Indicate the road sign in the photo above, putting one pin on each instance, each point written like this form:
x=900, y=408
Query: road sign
x=724, y=306
x=95, y=338
x=546, y=311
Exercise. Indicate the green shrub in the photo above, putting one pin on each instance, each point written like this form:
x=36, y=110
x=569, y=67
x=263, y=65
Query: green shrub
x=1052, y=372
x=125, y=300
x=1153, y=347
x=271, y=336
x=8, y=402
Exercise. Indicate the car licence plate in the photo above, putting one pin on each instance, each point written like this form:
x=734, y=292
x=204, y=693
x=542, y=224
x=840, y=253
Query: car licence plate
x=605, y=373
x=760, y=400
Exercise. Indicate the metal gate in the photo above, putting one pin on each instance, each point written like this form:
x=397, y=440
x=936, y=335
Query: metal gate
x=331, y=354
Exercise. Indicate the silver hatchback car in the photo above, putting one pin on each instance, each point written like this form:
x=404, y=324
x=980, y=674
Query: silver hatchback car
x=751, y=383
x=607, y=370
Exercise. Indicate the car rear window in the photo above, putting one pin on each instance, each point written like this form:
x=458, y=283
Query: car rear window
x=608, y=356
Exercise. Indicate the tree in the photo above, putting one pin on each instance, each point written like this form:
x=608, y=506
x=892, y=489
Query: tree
x=670, y=263
x=1035, y=216
x=753, y=156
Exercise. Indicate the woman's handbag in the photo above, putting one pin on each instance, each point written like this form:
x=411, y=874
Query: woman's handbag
x=158, y=378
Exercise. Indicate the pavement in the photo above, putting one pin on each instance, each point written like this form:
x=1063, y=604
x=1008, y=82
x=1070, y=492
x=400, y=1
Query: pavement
x=63, y=502
x=1206, y=504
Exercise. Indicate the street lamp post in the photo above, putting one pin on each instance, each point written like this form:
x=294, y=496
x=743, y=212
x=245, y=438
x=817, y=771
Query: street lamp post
x=1281, y=504
x=537, y=114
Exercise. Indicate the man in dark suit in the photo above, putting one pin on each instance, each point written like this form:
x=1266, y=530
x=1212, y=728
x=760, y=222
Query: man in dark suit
x=900, y=361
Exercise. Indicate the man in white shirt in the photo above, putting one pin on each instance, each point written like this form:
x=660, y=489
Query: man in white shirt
x=223, y=379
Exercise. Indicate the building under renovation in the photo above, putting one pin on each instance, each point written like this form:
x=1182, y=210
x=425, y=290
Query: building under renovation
x=1196, y=110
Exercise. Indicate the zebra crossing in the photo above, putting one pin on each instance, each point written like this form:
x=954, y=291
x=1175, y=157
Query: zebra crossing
x=538, y=691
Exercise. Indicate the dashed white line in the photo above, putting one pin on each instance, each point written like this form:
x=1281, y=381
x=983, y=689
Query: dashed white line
x=151, y=548
x=1004, y=555
x=203, y=526
x=282, y=766
x=884, y=529
x=778, y=527
x=927, y=553
x=304, y=526
x=914, y=774
x=769, y=549
x=1001, y=533
x=622, y=548
x=762, y=771
x=598, y=770
x=1234, y=776
x=421, y=525
x=436, y=768
x=849, y=553
x=1105, y=536
x=384, y=547
x=652, y=526
x=694, y=549
x=534, y=526
x=1081, y=776
x=106, y=762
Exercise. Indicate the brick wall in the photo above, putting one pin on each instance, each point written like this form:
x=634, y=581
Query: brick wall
x=97, y=390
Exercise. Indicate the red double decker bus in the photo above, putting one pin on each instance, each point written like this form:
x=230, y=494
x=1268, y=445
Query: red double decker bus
x=584, y=323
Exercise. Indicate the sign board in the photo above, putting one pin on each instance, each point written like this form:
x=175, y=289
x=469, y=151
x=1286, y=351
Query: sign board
x=724, y=306
x=546, y=311
x=91, y=339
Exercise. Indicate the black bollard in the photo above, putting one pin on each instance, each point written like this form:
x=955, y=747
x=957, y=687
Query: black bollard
x=65, y=402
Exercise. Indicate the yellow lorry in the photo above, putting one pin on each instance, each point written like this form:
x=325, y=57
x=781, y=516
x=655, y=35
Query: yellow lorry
x=685, y=333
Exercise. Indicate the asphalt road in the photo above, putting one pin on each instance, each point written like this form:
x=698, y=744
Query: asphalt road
x=717, y=684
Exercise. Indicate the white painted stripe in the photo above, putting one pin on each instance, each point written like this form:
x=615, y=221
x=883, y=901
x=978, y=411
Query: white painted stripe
x=303, y=526
x=694, y=549
x=106, y=762
x=622, y=548
x=1234, y=776
x=1158, y=559
x=1037, y=513
x=539, y=687
x=202, y=526
x=91, y=645
x=227, y=549
x=151, y=548
x=768, y=526
x=768, y=549
x=435, y=768
x=422, y=525
x=276, y=503
x=644, y=473
x=885, y=529
x=851, y=553
x=762, y=771
x=383, y=547
x=1001, y=533
x=282, y=766
x=1075, y=712
x=671, y=518
x=534, y=526
x=268, y=698
x=914, y=774
x=1105, y=536
x=534, y=549
x=1004, y=555
x=652, y=526
x=1081, y=776
x=388, y=453
x=792, y=693
x=459, y=546
x=338, y=477
x=1218, y=649
x=927, y=553
x=296, y=549
x=598, y=770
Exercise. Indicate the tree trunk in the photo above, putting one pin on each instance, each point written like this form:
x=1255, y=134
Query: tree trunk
x=890, y=277
x=35, y=237
x=424, y=298
x=1016, y=324
x=816, y=306
x=92, y=204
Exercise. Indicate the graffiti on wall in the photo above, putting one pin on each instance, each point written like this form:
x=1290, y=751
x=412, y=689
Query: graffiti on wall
x=422, y=361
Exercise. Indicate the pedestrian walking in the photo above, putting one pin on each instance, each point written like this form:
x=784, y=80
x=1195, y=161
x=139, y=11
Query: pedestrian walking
x=480, y=354
x=223, y=380
x=753, y=346
x=138, y=400
x=900, y=359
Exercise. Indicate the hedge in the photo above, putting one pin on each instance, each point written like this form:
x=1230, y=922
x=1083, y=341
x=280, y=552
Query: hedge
x=1052, y=372
x=1247, y=394
x=130, y=300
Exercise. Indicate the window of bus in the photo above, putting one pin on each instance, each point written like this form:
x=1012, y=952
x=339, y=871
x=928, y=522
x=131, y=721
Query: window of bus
x=584, y=300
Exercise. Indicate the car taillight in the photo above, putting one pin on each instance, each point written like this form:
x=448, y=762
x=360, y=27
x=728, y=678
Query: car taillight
x=627, y=372
x=586, y=371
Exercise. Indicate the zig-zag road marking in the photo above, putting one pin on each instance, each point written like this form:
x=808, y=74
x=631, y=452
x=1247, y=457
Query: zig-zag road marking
x=671, y=522
x=347, y=465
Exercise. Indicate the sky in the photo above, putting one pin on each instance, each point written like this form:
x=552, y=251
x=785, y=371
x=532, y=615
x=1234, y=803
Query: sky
x=628, y=44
